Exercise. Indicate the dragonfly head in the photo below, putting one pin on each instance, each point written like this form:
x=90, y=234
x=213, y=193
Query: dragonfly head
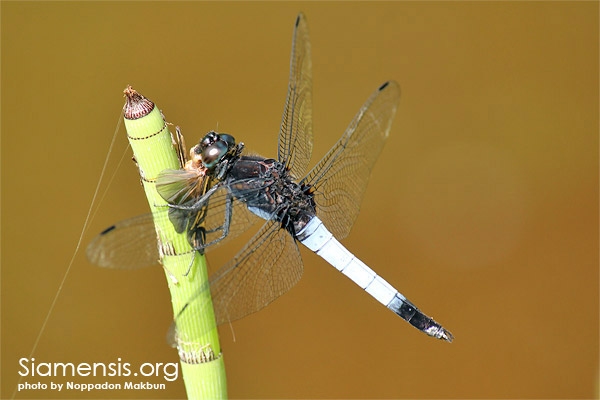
x=214, y=147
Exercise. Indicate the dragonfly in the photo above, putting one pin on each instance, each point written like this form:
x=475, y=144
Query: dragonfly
x=316, y=208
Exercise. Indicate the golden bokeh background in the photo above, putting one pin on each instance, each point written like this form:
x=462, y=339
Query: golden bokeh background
x=482, y=209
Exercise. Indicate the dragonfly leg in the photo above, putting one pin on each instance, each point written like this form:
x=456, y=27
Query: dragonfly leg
x=224, y=228
x=191, y=264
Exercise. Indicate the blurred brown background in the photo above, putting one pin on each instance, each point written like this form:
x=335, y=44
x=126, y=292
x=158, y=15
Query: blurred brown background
x=483, y=208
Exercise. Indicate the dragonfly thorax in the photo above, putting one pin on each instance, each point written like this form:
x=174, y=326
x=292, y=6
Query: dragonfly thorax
x=269, y=191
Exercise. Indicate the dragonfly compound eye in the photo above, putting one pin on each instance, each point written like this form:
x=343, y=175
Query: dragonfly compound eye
x=230, y=140
x=208, y=140
x=214, y=153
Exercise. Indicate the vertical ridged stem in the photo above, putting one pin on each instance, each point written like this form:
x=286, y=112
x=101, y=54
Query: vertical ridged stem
x=154, y=150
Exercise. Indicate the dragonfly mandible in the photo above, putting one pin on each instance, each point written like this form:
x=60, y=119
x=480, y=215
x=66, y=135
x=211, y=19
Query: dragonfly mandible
x=316, y=209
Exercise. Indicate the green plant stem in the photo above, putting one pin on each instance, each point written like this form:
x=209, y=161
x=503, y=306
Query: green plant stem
x=197, y=338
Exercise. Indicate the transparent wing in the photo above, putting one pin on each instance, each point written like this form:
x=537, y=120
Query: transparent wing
x=128, y=244
x=295, y=134
x=132, y=243
x=341, y=177
x=267, y=267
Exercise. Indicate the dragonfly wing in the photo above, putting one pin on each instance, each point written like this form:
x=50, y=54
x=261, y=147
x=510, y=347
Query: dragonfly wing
x=129, y=244
x=132, y=243
x=295, y=134
x=267, y=267
x=340, y=178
